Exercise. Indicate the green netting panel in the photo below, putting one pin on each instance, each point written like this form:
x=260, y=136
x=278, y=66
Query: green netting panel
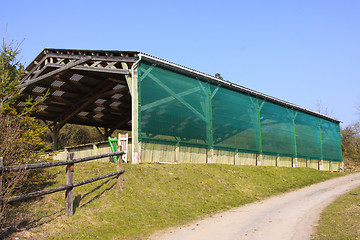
x=235, y=120
x=178, y=109
x=307, y=136
x=172, y=106
x=330, y=139
x=277, y=131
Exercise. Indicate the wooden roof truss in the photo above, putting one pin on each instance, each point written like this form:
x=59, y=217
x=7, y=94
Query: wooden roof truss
x=81, y=87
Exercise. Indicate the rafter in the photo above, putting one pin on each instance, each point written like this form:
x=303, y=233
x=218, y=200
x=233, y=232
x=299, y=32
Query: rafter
x=57, y=71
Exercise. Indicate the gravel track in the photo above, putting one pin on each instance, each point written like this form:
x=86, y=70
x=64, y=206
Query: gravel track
x=287, y=216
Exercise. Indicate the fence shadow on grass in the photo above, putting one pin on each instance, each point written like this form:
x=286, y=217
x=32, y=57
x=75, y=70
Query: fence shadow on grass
x=79, y=197
x=27, y=223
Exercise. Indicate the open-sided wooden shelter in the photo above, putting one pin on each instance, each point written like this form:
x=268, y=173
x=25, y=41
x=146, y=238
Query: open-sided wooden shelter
x=177, y=114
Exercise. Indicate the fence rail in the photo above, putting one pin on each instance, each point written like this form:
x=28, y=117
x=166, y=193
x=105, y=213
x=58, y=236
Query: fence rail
x=33, y=166
x=69, y=176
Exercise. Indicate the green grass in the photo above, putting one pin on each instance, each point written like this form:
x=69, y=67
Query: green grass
x=154, y=197
x=341, y=220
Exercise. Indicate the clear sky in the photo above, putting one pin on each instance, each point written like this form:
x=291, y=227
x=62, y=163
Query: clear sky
x=301, y=51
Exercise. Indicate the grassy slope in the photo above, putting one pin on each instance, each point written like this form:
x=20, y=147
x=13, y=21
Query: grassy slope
x=341, y=220
x=155, y=197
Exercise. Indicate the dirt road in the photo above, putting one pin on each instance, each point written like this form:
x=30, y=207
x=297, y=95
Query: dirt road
x=288, y=216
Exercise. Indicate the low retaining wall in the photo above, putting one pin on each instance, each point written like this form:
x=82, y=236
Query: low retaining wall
x=154, y=152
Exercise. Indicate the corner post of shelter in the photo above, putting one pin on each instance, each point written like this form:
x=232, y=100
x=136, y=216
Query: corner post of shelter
x=320, y=162
x=135, y=126
x=295, y=158
x=259, y=158
x=209, y=124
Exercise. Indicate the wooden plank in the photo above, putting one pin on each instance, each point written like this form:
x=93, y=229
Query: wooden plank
x=69, y=181
x=302, y=162
x=171, y=153
x=247, y=158
x=127, y=77
x=224, y=157
x=285, y=161
x=269, y=160
x=313, y=164
x=326, y=165
x=146, y=152
x=157, y=153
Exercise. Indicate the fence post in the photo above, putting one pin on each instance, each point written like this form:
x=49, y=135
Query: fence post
x=69, y=180
x=119, y=166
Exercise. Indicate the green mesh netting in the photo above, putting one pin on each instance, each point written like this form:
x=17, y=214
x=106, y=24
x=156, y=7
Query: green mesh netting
x=178, y=109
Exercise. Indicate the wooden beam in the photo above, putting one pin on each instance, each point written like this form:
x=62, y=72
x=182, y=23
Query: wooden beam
x=127, y=77
x=89, y=68
x=70, y=83
x=97, y=92
x=94, y=57
x=136, y=145
x=57, y=71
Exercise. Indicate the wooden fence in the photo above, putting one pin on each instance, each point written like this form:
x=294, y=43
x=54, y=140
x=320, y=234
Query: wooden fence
x=69, y=176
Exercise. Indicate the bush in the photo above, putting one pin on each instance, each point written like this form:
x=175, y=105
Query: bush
x=20, y=134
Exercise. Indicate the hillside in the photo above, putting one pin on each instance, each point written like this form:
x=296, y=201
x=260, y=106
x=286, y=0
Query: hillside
x=154, y=197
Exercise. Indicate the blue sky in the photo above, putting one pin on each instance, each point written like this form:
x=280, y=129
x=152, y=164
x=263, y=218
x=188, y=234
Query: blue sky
x=303, y=52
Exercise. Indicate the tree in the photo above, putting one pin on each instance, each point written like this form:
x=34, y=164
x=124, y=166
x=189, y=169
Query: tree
x=218, y=75
x=20, y=133
x=320, y=108
x=350, y=139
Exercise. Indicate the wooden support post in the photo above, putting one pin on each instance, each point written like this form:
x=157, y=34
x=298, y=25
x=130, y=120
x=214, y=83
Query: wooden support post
x=259, y=160
x=69, y=181
x=277, y=161
x=295, y=162
x=321, y=165
x=55, y=138
x=177, y=152
x=136, y=144
x=341, y=167
x=209, y=155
